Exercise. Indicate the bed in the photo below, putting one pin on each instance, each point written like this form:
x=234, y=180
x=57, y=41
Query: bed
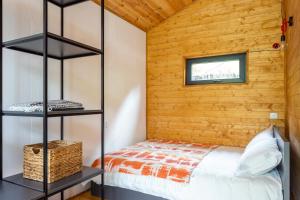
x=213, y=179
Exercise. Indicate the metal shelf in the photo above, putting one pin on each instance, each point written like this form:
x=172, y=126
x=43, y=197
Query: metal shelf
x=65, y=3
x=52, y=114
x=58, y=186
x=15, y=192
x=49, y=45
x=58, y=47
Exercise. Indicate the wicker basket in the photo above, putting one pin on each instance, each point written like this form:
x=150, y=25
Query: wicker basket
x=64, y=159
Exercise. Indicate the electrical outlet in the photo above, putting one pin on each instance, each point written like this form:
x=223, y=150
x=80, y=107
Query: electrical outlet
x=273, y=115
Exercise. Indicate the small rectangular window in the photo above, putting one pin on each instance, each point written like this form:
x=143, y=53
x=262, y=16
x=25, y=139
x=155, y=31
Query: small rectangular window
x=216, y=69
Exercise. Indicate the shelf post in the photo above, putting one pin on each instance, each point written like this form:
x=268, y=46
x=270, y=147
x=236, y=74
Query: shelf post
x=62, y=82
x=62, y=72
x=102, y=100
x=45, y=96
x=1, y=92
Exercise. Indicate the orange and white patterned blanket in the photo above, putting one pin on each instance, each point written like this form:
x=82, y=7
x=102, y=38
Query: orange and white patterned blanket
x=170, y=160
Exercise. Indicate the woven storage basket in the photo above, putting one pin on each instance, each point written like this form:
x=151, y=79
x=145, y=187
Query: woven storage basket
x=64, y=159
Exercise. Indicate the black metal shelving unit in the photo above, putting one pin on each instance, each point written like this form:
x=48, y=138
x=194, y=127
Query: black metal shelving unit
x=34, y=45
x=49, y=45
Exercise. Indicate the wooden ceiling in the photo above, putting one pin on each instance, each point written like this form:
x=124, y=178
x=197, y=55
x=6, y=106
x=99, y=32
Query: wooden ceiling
x=145, y=14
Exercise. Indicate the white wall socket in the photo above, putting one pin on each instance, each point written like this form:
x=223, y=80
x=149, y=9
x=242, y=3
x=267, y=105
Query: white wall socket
x=273, y=115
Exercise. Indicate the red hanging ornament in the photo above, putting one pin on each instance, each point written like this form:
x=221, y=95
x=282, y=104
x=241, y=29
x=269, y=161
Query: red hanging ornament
x=284, y=26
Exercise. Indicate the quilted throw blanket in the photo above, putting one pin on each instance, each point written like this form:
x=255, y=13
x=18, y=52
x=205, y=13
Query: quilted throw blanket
x=169, y=160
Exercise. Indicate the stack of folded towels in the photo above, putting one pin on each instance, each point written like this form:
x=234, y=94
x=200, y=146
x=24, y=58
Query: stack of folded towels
x=53, y=105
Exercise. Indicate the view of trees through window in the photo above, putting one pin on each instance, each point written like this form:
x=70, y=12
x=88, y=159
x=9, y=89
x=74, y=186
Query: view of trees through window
x=215, y=70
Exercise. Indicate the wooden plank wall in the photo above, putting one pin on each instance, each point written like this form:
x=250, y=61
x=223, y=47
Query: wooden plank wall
x=228, y=114
x=293, y=91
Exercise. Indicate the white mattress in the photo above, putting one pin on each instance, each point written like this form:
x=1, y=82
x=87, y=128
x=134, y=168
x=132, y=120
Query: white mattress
x=213, y=179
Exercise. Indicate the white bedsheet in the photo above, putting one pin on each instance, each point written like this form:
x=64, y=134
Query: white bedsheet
x=213, y=179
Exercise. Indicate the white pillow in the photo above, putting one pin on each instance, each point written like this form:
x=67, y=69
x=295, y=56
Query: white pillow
x=265, y=134
x=259, y=158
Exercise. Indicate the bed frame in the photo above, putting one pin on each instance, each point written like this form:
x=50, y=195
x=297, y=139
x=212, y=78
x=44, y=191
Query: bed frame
x=116, y=193
x=284, y=167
